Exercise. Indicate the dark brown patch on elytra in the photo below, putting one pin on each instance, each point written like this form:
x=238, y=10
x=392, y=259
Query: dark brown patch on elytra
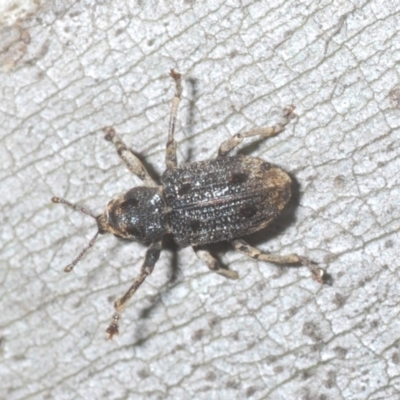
x=194, y=225
x=238, y=177
x=248, y=211
x=184, y=189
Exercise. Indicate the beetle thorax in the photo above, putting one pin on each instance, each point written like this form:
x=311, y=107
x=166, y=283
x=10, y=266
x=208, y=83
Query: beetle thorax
x=139, y=214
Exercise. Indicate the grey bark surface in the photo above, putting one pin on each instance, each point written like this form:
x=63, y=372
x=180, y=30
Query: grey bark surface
x=71, y=68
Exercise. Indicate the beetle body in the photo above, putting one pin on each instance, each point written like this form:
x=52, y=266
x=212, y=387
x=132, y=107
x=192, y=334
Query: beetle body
x=199, y=203
x=223, y=199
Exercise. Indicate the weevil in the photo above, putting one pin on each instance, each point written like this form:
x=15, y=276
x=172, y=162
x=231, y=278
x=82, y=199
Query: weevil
x=200, y=203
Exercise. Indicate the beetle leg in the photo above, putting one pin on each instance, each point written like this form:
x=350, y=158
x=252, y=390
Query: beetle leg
x=227, y=146
x=170, y=156
x=152, y=255
x=131, y=161
x=243, y=247
x=213, y=264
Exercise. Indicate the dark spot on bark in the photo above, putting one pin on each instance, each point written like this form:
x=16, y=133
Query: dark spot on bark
x=211, y=376
x=389, y=244
x=339, y=300
x=396, y=358
x=340, y=352
x=232, y=384
x=278, y=369
x=119, y=31
x=394, y=97
x=143, y=373
x=198, y=335
x=311, y=330
x=331, y=380
x=339, y=181
x=242, y=248
x=250, y=391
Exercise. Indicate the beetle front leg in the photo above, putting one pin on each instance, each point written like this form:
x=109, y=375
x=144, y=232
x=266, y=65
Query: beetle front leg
x=170, y=157
x=131, y=161
x=243, y=247
x=213, y=264
x=152, y=256
x=227, y=146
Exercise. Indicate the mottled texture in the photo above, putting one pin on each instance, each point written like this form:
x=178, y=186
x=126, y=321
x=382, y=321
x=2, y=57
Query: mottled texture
x=223, y=199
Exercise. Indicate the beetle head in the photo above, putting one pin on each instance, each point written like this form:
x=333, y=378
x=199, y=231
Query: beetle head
x=139, y=214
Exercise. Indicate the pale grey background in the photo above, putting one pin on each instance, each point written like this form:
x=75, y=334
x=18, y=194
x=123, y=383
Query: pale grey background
x=71, y=68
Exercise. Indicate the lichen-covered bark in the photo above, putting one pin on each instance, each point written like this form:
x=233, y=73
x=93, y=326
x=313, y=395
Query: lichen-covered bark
x=72, y=68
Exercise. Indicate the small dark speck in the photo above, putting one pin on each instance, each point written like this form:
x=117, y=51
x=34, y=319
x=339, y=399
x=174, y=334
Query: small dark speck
x=374, y=323
x=143, y=373
x=306, y=375
x=150, y=42
x=339, y=182
x=119, y=31
x=67, y=29
x=339, y=300
x=233, y=54
x=396, y=358
x=389, y=244
x=331, y=379
x=111, y=299
x=389, y=147
x=250, y=391
x=213, y=322
x=198, y=335
x=311, y=330
x=288, y=33
x=232, y=384
x=260, y=286
x=340, y=352
x=394, y=97
x=278, y=369
x=211, y=376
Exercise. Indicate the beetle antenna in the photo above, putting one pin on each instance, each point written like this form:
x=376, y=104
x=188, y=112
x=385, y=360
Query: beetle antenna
x=83, y=210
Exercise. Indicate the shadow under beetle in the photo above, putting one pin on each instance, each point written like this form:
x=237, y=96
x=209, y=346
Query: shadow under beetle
x=199, y=203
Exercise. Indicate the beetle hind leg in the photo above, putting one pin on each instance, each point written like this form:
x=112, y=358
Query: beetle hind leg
x=205, y=256
x=243, y=247
x=228, y=145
